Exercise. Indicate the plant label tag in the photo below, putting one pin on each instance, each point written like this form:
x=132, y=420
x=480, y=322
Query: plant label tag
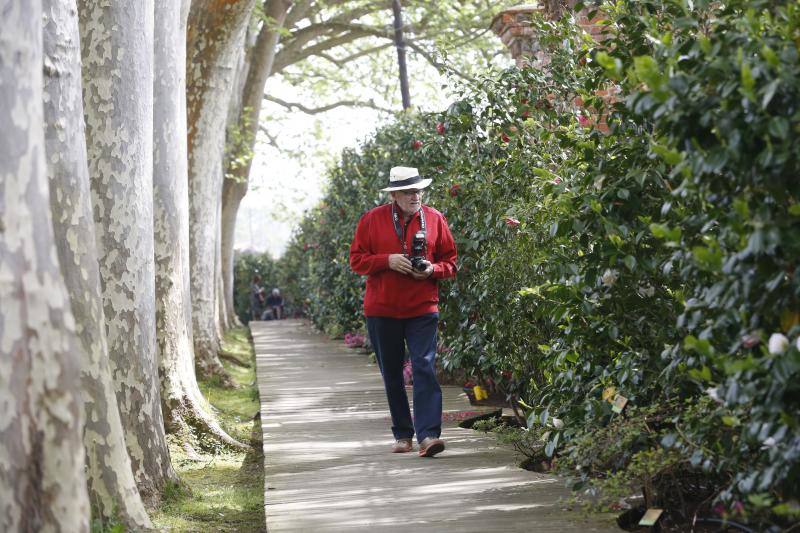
x=619, y=403
x=651, y=517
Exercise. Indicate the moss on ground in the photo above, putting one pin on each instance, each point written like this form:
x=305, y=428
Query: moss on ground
x=221, y=489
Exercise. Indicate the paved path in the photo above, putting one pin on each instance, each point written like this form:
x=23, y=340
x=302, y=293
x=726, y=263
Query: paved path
x=327, y=460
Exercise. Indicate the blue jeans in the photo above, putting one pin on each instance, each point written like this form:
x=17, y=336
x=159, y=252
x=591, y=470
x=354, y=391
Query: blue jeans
x=389, y=337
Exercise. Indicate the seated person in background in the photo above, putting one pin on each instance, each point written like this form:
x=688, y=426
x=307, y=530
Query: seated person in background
x=275, y=304
x=256, y=298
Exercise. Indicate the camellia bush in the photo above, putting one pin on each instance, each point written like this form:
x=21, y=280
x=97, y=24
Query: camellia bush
x=628, y=226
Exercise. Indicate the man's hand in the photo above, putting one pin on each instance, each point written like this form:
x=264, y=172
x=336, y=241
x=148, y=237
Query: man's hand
x=424, y=274
x=400, y=263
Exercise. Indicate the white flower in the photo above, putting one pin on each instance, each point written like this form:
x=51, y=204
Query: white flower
x=797, y=344
x=609, y=277
x=778, y=343
x=648, y=291
x=713, y=393
x=769, y=443
x=558, y=423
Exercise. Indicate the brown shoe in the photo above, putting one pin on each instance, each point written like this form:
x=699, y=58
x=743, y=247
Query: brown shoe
x=430, y=446
x=402, y=446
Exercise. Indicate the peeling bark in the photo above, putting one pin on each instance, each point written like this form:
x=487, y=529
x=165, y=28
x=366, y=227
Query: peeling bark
x=42, y=480
x=117, y=53
x=182, y=402
x=234, y=189
x=215, y=37
x=112, y=489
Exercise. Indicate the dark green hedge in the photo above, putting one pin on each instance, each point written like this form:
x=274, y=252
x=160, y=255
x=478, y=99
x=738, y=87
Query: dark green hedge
x=653, y=261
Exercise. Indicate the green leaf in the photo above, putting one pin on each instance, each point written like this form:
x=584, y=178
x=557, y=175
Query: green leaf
x=662, y=231
x=748, y=82
x=648, y=71
x=730, y=421
x=769, y=92
x=708, y=258
x=701, y=346
x=552, y=445
x=770, y=56
x=701, y=374
x=670, y=156
x=612, y=65
x=630, y=262
x=794, y=210
x=778, y=127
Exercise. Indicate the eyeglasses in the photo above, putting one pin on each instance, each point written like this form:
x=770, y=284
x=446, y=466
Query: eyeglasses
x=411, y=192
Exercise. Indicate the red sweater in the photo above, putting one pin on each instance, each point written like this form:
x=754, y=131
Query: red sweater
x=390, y=293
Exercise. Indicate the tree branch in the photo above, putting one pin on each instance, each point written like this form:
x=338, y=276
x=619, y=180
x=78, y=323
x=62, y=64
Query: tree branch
x=352, y=57
x=322, y=109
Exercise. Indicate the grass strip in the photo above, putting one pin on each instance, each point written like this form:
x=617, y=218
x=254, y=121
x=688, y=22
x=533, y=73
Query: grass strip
x=221, y=489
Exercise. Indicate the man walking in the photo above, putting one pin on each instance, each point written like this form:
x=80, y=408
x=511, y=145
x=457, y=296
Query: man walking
x=404, y=248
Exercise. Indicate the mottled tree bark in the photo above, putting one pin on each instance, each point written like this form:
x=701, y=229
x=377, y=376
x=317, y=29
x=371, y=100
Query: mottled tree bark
x=215, y=37
x=112, y=489
x=259, y=68
x=246, y=119
x=182, y=402
x=117, y=52
x=42, y=480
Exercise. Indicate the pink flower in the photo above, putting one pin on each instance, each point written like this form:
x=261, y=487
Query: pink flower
x=556, y=180
x=749, y=341
x=583, y=120
x=738, y=507
x=719, y=509
x=512, y=222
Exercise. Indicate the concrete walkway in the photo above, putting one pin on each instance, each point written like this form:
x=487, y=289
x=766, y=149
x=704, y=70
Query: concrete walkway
x=328, y=466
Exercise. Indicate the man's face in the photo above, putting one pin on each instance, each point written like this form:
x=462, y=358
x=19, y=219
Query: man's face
x=408, y=201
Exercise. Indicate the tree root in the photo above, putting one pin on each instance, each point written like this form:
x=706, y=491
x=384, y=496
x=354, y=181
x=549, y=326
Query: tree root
x=227, y=356
x=186, y=418
x=212, y=370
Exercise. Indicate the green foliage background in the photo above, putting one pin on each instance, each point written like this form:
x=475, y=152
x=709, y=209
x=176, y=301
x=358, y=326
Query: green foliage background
x=654, y=260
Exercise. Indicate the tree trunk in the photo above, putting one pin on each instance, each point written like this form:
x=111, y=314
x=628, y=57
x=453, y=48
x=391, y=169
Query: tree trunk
x=215, y=37
x=117, y=44
x=233, y=191
x=237, y=172
x=400, y=44
x=42, y=479
x=221, y=315
x=181, y=398
x=112, y=489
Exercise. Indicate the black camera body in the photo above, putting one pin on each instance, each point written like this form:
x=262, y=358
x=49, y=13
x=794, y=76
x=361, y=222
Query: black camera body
x=417, y=258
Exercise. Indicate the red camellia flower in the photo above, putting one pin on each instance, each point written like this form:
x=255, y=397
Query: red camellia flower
x=526, y=114
x=416, y=145
x=505, y=138
x=454, y=189
x=440, y=128
x=512, y=222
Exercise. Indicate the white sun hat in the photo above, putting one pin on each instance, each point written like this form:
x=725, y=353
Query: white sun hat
x=401, y=178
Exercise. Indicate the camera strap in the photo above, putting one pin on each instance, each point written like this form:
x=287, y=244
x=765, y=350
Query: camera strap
x=400, y=230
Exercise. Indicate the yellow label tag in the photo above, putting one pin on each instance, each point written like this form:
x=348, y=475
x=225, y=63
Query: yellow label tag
x=619, y=403
x=651, y=517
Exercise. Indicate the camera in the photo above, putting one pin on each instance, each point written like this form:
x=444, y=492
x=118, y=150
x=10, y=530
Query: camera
x=418, y=261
